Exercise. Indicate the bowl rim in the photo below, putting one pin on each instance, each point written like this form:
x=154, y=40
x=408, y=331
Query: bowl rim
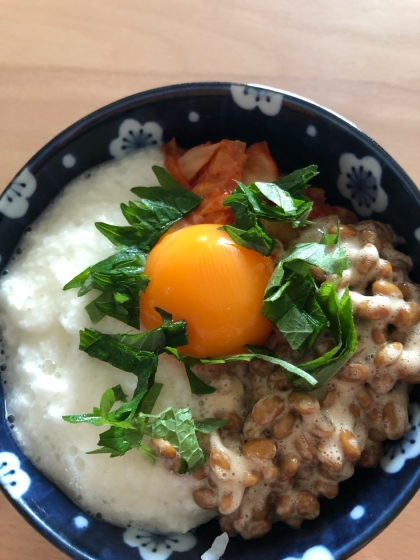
x=136, y=100
x=125, y=103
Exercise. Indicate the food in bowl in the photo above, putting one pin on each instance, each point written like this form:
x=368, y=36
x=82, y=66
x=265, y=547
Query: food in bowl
x=283, y=446
x=48, y=376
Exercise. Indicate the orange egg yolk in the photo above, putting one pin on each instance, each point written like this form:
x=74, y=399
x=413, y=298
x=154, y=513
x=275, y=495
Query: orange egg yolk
x=199, y=274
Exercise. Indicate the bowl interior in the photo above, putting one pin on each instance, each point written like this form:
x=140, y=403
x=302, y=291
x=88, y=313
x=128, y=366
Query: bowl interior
x=355, y=173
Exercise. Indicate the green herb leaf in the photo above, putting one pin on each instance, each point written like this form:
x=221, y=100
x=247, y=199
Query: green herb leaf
x=108, y=304
x=112, y=441
x=178, y=428
x=197, y=386
x=123, y=237
x=290, y=298
x=262, y=353
x=171, y=333
x=333, y=261
x=340, y=317
x=150, y=398
x=107, y=402
x=286, y=208
x=297, y=181
x=255, y=238
x=122, y=417
x=94, y=418
x=148, y=453
x=130, y=423
x=149, y=219
x=331, y=238
x=166, y=180
x=301, y=310
x=209, y=425
x=119, y=418
x=122, y=270
x=183, y=467
x=281, y=201
x=119, y=394
x=135, y=353
x=121, y=278
x=108, y=348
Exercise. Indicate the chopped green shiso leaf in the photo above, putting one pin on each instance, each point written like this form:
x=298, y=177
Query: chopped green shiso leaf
x=281, y=201
x=130, y=422
x=121, y=277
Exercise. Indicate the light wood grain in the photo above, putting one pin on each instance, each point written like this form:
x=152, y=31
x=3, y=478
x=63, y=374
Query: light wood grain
x=59, y=60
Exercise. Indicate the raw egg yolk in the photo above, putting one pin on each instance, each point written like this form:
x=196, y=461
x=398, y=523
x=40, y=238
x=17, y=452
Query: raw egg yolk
x=199, y=274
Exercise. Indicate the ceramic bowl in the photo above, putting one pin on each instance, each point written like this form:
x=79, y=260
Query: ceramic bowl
x=354, y=171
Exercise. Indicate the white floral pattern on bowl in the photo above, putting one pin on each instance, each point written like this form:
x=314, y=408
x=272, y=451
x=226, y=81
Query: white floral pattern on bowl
x=408, y=447
x=248, y=97
x=133, y=135
x=158, y=547
x=315, y=553
x=12, y=477
x=360, y=182
x=14, y=203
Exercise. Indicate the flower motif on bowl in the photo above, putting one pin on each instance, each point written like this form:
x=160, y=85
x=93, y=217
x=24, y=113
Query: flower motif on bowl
x=153, y=546
x=360, y=182
x=315, y=553
x=12, y=477
x=408, y=447
x=249, y=98
x=133, y=136
x=14, y=202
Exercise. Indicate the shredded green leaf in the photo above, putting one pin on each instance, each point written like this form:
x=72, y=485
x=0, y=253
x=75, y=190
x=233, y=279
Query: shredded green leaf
x=119, y=394
x=209, y=425
x=133, y=420
x=281, y=201
x=108, y=348
x=149, y=219
x=121, y=277
x=290, y=298
x=199, y=387
x=297, y=181
x=178, y=427
x=130, y=422
x=300, y=310
x=340, y=317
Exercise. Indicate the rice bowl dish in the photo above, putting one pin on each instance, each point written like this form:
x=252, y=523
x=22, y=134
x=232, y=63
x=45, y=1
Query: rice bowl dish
x=45, y=380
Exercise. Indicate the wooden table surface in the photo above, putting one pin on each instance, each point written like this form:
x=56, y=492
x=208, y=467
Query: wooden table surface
x=60, y=60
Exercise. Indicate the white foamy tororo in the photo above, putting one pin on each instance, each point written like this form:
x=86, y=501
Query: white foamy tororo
x=48, y=376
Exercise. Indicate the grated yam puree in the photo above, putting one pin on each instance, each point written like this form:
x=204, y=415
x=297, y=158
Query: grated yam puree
x=48, y=376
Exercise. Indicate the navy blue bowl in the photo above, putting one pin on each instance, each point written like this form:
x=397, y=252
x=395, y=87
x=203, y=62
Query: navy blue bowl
x=354, y=171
